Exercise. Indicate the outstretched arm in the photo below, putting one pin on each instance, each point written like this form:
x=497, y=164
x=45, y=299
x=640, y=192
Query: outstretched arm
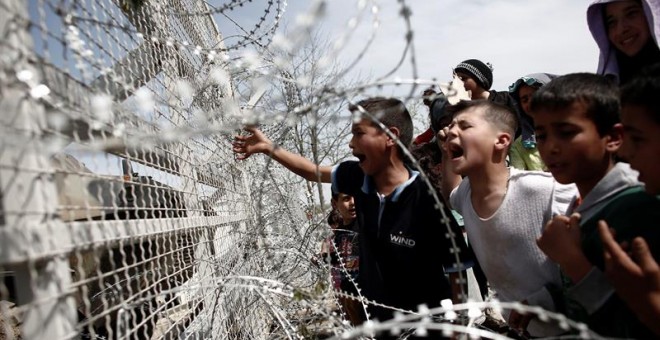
x=257, y=142
x=636, y=279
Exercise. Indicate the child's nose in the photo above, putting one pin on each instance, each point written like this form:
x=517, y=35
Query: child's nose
x=452, y=132
x=553, y=146
x=623, y=26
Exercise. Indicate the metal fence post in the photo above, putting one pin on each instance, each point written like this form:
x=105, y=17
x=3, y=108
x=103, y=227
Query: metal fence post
x=29, y=197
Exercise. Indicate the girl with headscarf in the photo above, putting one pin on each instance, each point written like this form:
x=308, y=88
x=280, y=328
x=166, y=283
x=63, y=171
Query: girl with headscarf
x=523, y=153
x=627, y=33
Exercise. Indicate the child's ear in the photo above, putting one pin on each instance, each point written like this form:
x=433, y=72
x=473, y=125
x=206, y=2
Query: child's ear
x=395, y=131
x=503, y=141
x=615, y=138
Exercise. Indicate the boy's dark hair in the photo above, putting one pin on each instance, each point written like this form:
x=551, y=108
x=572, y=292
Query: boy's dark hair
x=497, y=114
x=428, y=156
x=391, y=112
x=334, y=218
x=643, y=91
x=599, y=94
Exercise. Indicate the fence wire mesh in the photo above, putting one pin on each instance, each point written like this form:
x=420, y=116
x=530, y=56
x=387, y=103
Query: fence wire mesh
x=123, y=216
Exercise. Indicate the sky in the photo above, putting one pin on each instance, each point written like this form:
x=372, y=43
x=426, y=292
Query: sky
x=517, y=37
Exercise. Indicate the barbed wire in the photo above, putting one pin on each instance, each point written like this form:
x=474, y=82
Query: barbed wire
x=175, y=236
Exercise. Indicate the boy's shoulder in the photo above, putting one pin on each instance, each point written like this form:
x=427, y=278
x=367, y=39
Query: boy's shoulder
x=500, y=97
x=349, y=178
x=531, y=175
x=611, y=191
x=631, y=204
x=536, y=181
x=630, y=213
x=526, y=182
x=540, y=187
x=414, y=186
x=525, y=177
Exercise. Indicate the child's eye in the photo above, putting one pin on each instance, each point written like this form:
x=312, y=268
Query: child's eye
x=636, y=139
x=610, y=23
x=541, y=137
x=464, y=125
x=566, y=133
x=633, y=13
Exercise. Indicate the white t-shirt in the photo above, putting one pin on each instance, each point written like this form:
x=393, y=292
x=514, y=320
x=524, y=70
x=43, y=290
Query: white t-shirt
x=505, y=243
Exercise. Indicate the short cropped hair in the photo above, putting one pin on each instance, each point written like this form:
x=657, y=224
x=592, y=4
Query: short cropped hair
x=643, y=90
x=498, y=115
x=390, y=112
x=599, y=94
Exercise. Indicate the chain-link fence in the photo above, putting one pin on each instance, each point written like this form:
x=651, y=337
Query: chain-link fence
x=121, y=215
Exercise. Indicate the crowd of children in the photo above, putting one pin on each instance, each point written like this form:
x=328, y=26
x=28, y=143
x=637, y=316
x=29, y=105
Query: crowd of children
x=557, y=181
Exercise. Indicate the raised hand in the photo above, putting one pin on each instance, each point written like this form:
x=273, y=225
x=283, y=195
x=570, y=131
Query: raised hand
x=441, y=138
x=254, y=142
x=428, y=96
x=561, y=242
x=561, y=238
x=635, y=277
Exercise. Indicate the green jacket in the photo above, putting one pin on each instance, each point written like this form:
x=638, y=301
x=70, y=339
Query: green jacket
x=630, y=213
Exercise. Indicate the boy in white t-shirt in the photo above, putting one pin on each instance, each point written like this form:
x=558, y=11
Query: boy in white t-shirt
x=504, y=209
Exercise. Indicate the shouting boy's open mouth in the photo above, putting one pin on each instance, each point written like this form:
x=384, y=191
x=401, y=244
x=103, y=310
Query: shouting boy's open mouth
x=455, y=151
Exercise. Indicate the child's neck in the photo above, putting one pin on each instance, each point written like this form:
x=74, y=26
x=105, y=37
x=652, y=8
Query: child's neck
x=587, y=185
x=390, y=177
x=480, y=94
x=489, y=179
x=489, y=186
